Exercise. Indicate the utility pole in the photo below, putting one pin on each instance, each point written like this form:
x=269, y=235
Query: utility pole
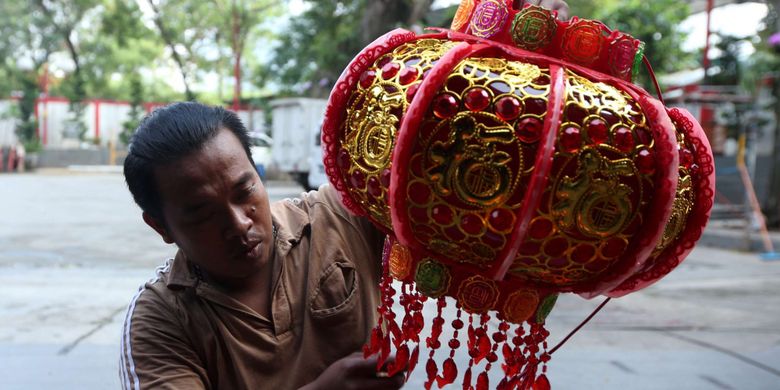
x=773, y=200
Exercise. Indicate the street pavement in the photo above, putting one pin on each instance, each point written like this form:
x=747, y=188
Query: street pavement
x=73, y=251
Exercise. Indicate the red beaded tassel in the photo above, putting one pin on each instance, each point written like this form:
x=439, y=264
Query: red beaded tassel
x=433, y=343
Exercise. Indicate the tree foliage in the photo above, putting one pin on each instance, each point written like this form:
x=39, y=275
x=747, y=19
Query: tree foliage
x=317, y=45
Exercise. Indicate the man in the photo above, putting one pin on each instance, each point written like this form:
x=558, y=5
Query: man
x=258, y=296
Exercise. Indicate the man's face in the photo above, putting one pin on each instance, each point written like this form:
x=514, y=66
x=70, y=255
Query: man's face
x=216, y=210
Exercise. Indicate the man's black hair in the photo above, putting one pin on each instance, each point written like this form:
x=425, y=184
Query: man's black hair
x=167, y=135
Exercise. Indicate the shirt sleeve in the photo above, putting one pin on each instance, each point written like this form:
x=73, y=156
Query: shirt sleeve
x=155, y=352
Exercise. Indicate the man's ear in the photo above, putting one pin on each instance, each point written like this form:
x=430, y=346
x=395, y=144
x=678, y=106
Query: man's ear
x=158, y=227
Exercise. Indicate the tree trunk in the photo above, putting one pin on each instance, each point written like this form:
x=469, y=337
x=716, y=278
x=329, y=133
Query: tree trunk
x=171, y=45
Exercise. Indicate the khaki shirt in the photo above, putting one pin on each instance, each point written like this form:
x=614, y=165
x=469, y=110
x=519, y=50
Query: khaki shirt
x=182, y=333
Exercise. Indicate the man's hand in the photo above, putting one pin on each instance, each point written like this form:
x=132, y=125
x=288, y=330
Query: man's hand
x=555, y=5
x=355, y=372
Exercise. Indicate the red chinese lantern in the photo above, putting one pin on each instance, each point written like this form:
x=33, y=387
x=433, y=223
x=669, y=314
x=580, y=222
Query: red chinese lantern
x=511, y=159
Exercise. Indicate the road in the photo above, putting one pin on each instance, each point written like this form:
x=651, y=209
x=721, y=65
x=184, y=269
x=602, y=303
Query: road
x=73, y=251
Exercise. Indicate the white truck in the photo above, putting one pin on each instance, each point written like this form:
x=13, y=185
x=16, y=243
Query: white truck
x=296, y=139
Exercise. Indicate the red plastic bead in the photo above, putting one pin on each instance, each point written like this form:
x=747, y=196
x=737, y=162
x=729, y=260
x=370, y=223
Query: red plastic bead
x=374, y=188
x=576, y=114
x=454, y=344
x=449, y=373
x=343, y=161
x=624, y=139
x=384, y=178
x=367, y=78
x=613, y=248
x=535, y=106
x=583, y=253
x=541, y=383
x=556, y=247
x=419, y=193
x=508, y=108
x=686, y=158
x=570, y=139
x=645, y=161
x=442, y=214
x=529, y=130
x=477, y=99
x=411, y=91
x=431, y=369
x=472, y=224
x=457, y=324
x=501, y=219
x=358, y=179
x=390, y=70
x=408, y=75
x=540, y=228
x=482, y=381
x=445, y=106
x=598, y=131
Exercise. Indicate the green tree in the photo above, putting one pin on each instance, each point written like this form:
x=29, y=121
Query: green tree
x=319, y=43
x=136, y=110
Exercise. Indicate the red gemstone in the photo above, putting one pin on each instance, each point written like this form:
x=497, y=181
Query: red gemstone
x=483, y=345
x=454, y=234
x=624, y=139
x=384, y=178
x=457, y=84
x=367, y=78
x=508, y=108
x=358, y=179
x=482, y=381
x=583, y=253
x=419, y=193
x=408, y=75
x=411, y=91
x=558, y=263
x=449, y=373
x=529, y=130
x=535, y=106
x=576, y=114
x=477, y=99
x=613, y=248
x=540, y=228
x=431, y=369
x=374, y=188
x=608, y=116
x=390, y=70
x=418, y=214
x=542, y=383
x=501, y=219
x=493, y=239
x=598, y=131
x=343, y=161
x=445, y=106
x=645, y=161
x=556, y=247
x=570, y=139
x=686, y=158
x=472, y=224
x=643, y=135
x=401, y=358
x=442, y=214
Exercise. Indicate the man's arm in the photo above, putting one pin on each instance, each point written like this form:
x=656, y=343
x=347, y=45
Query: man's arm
x=155, y=352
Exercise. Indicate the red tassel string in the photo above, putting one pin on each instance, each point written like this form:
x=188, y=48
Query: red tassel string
x=433, y=343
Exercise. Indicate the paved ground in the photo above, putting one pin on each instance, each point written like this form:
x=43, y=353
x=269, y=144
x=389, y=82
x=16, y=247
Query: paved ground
x=73, y=250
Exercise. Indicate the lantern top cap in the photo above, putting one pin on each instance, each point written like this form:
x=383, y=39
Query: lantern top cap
x=584, y=42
